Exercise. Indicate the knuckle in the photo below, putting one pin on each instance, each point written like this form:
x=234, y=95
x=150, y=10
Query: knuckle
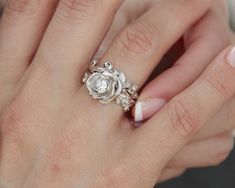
x=78, y=5
x=26, y=7
x=137, y=38
x=182, y=119
x=74, y=9
x=12, y=119
x=18, y=116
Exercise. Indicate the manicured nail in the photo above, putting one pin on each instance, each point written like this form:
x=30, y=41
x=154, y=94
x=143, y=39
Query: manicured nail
x=147, y=108
x=231, y=57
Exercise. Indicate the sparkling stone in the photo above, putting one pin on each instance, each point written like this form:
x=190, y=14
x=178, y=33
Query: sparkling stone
x=101, y=85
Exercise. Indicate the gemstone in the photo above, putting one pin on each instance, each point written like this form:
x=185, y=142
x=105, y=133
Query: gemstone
x=101, y=85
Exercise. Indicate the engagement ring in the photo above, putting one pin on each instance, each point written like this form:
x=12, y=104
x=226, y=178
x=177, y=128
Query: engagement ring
x=107, y=85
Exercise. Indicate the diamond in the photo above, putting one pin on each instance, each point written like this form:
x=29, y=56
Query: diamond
x=107, y=84
x=101, y=85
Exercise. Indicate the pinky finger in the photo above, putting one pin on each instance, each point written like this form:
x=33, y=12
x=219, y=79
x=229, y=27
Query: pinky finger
x=204, y=153
x=170, y=173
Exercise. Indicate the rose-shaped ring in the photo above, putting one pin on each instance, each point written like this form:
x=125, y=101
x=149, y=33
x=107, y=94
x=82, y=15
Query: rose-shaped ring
x=107, y=85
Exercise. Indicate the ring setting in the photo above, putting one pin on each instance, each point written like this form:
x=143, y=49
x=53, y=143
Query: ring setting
x=106, y=85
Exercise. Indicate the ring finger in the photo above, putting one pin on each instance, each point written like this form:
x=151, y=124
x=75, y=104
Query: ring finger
x=139, y=47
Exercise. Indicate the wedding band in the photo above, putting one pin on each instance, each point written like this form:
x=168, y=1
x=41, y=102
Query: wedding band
x=106, y=85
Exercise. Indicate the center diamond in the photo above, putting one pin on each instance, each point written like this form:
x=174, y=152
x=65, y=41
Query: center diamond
x=101, y=85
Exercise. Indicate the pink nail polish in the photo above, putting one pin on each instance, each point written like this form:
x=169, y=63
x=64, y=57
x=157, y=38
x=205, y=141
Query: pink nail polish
x=147, y=108
x=231, y=57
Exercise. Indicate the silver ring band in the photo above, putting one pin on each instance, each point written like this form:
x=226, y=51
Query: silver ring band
x=107, y=85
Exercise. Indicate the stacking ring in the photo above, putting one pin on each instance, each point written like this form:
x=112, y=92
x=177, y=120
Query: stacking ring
x=106, y=85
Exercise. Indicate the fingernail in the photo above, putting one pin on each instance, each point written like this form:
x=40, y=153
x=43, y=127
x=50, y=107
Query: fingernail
x=147, y=108
x=231, y=57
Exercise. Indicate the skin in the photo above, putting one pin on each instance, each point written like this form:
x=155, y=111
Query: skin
x=214, y=142
x=210, y=33
x=46, y=113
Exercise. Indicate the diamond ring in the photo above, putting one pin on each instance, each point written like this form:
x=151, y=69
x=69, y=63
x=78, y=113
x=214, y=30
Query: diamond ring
x=107, y=85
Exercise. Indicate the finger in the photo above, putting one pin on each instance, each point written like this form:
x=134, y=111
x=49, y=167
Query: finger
x=223, y=121
x=170, y=173
x=129, y=11
x=72, y=38
x=138, y=48
x=149, y=38
x=207, y=34
x=168, y=131
x=204, y=153
x=21, y=28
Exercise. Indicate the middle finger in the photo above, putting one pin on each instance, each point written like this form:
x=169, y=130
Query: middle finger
x=73, y=36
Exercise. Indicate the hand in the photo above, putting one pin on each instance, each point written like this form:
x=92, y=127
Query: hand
x=214, y=143
x=53, y=134
x=203, y=42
